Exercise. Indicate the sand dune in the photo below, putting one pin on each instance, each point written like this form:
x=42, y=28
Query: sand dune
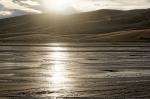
x=101, y=25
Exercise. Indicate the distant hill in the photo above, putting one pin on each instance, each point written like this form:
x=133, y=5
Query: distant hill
x=100, y=25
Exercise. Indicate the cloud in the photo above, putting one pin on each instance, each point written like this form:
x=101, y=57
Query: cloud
x=29, y=2
x=88, y=5
x=13, y=8
x=20, y=7
x=10, y=4
x=5, y=13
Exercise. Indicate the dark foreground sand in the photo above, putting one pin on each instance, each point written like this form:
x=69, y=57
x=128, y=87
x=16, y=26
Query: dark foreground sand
x=100, y=70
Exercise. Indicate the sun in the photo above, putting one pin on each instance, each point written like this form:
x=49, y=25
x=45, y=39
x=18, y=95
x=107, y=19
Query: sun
x=57, y=5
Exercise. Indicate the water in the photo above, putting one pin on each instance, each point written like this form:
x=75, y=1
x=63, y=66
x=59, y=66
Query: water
x=102, y=70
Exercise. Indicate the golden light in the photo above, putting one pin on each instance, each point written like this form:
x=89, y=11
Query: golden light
x=57, y=5
x=58, y=68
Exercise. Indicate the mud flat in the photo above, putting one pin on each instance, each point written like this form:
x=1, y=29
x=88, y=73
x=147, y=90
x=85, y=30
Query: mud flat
x=100, y=70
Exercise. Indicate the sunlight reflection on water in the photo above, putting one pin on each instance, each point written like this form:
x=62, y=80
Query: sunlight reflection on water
x=80, y=70
x=58, y=68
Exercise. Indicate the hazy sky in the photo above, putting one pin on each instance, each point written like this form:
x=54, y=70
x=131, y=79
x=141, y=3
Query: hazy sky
x=20, y=7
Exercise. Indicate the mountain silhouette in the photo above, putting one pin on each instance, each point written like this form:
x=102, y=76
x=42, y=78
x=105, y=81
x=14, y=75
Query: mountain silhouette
x=96, y=26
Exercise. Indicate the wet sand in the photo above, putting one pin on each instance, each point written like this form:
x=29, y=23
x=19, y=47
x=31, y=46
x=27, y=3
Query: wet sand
x=100, y=70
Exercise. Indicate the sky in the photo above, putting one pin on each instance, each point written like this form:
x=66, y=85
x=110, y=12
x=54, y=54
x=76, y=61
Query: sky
x=10, y=8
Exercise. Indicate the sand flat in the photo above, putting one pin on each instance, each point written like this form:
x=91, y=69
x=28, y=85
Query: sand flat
x=102, y=70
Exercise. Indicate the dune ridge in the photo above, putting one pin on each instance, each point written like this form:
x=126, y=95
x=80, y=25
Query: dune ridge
x=101, y=25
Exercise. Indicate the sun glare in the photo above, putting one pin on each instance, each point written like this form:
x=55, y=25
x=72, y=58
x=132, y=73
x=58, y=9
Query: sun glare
x=57, y=5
